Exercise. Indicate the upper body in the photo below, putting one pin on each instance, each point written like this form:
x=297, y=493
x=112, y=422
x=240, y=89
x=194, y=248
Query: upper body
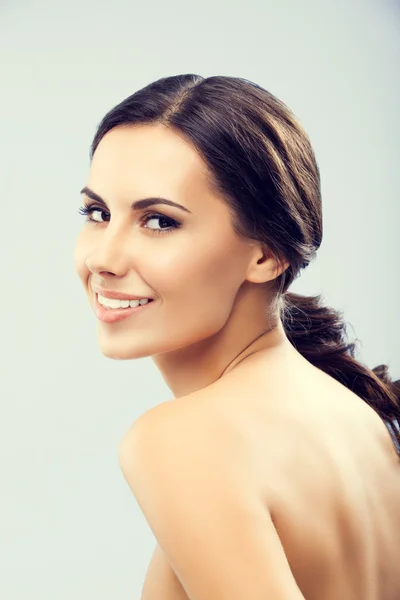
x=315, y=462
x=264, y=477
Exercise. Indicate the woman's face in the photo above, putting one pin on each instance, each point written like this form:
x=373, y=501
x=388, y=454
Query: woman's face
x=188, y=259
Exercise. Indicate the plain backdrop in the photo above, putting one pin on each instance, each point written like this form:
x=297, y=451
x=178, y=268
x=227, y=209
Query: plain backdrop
x=69, y=525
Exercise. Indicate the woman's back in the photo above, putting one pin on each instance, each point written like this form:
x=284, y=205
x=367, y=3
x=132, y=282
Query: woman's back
x=334, y=494
x=329, y=473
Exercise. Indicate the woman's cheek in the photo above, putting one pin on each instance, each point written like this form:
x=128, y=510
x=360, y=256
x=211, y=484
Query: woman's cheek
x=168, y=270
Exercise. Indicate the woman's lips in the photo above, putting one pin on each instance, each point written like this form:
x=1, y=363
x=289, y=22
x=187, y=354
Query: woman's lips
x=112, y=315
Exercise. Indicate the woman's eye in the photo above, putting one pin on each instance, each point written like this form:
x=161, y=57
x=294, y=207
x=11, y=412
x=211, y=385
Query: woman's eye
x=165, y=224
x=94, y=214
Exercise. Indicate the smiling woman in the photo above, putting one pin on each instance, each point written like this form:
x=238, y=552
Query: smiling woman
x=202, y=206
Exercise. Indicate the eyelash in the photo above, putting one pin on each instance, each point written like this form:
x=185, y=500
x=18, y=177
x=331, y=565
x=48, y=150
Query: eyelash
x=88, y=210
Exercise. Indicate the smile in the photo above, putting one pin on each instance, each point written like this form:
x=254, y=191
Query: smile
x=115, y=303
x=112, y=310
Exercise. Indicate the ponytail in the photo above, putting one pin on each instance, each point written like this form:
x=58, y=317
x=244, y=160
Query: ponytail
x=319, y=334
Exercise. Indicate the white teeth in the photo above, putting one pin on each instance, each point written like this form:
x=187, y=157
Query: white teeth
x=113, y=303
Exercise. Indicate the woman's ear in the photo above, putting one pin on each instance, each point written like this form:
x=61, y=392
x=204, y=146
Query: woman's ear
x=264, y=266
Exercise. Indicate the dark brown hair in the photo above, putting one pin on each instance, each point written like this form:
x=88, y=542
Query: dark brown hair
x=261, y=160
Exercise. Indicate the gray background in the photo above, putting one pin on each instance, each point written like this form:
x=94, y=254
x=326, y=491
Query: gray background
x=69, y=526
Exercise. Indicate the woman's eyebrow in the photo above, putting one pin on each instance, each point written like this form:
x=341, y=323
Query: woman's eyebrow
x=139, y=204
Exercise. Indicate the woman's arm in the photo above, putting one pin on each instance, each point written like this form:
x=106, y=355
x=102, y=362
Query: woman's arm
x=161, y=582
x=215, y=532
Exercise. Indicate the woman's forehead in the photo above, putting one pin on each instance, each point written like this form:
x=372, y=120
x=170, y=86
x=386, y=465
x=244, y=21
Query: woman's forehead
x=147, y=146
x=149, y=159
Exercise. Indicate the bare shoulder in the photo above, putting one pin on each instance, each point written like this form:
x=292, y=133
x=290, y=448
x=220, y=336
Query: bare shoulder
x=291, y=441
x=196, y=424
x=256, y=414
x=188, y=467
x=233, y=414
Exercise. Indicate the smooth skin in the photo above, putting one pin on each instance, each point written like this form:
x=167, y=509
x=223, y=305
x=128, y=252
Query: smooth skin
x=263, y=477
x=265, y=487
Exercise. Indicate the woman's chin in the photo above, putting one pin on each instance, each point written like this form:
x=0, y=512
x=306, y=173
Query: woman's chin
x=123, y=353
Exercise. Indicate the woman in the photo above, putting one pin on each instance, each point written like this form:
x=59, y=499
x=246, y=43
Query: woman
x=274, y=472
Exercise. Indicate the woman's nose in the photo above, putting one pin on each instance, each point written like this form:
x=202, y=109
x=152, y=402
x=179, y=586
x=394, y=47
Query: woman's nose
x=109, y=256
